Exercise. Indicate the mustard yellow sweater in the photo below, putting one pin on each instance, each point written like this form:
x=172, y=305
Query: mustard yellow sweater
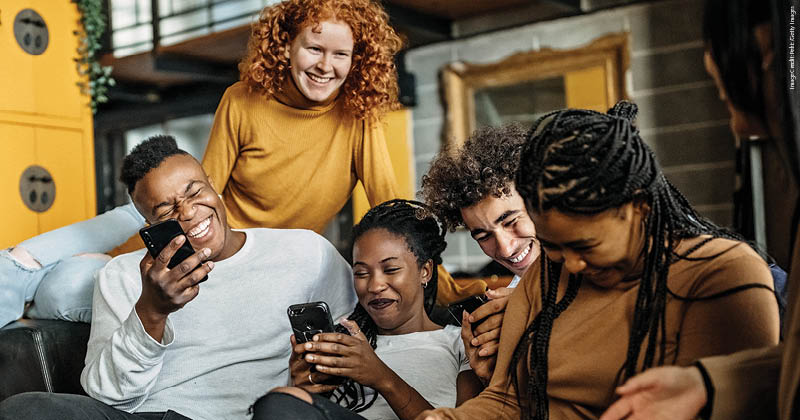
x=287, y=162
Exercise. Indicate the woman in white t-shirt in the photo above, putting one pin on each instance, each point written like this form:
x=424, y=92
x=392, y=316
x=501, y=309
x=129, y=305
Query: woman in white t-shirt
x=395, y=362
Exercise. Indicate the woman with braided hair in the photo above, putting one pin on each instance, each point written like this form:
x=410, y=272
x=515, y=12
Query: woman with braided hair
x=631, y=276
x=395, y=362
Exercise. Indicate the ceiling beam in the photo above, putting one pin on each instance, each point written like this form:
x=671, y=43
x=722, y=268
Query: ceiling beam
x=176, y=102
x=196, y=67
x=430, y=28
x=574, y=5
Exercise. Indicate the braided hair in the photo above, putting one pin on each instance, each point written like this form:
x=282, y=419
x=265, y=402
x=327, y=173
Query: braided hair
x=586, y=162
x=424, y=235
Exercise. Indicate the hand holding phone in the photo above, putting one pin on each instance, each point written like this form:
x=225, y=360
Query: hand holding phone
x=157, y=236
x=166, y=290
x=469, y=304
x=309, y=319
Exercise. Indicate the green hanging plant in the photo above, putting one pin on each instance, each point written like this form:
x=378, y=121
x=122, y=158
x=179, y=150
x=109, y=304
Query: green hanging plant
x=93, y=24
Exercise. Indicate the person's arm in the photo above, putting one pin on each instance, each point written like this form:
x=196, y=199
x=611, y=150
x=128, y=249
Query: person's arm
x=744, y=319
x=468, y=385
x=374, y=166
x=482, y=343
x=122, y=360
x=745, y=383
x=499, y=399
x=739, y=385
x=733, y=385
x=223, y=146
x=130, y=326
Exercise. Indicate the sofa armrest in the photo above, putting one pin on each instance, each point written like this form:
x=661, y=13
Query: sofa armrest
x=42, y=355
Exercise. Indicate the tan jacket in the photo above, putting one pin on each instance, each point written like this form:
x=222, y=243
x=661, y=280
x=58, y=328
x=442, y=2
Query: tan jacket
x=748, y=384
x=589, y=340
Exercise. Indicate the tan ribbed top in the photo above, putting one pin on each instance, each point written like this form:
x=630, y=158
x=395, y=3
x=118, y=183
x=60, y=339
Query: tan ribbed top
x=589, y=340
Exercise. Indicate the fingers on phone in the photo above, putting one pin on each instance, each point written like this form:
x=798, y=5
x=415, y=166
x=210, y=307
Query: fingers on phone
x=186, y=266
x=198, y=275
x=487, y=309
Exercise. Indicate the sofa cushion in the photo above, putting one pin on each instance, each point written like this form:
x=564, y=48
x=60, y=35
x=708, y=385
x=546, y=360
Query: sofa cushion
x=42, y=355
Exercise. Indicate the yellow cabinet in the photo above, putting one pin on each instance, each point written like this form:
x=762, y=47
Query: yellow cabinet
x=45, y=121
x=17, y=151
x=16, y=70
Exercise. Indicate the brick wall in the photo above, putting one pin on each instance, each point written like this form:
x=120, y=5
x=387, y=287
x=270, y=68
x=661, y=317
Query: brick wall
x=680, y=114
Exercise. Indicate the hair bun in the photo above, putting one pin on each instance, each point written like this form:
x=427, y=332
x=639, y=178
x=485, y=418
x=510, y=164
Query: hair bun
x=624, y=109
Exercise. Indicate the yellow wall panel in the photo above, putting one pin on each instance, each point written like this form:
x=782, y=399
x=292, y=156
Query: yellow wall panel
x=60, y=152
x=586, y=89
x=56, y=89
x=16, y=66
x=45, y=120
x=17, y=151
x=401, y=151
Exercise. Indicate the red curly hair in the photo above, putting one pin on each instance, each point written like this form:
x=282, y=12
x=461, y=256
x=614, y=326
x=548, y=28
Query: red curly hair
x=370, y=89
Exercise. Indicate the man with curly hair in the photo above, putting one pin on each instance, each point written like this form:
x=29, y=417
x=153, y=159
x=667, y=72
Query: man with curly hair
x=473, y=187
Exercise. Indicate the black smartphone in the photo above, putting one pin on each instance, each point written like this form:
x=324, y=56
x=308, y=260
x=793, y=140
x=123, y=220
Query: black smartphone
x=469, y=304
x=309, y=319
x=157, y=236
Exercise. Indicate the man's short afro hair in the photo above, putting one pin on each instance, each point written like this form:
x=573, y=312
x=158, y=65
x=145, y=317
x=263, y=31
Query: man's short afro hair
x=145, y=156
x=486, y=164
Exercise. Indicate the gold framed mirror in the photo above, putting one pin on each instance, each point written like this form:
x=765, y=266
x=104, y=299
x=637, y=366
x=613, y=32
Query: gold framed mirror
x=526, y=85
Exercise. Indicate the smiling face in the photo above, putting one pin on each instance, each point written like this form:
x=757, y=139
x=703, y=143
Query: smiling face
x=179, y=189
x=503, y=230
x=320, y=57
x=389, y=281
x=605, y=247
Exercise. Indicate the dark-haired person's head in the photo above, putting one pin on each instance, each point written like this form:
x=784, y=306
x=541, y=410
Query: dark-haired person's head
x=604, y=212
x=397, y=248
x=747, y=57
x=166, y=182
x=474, y=187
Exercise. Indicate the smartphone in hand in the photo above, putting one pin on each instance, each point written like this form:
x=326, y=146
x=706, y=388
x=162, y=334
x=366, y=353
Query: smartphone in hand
x=469, y=304
x=309, y=319
x=157, y=236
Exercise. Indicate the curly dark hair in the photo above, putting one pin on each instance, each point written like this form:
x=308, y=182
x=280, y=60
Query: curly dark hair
x=146, y=156
x=370, y=89
x=486, y=164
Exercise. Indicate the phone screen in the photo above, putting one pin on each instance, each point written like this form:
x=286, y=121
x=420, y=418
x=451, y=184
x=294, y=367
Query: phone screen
x=469, y=304
x=309, y=319
x=157, y=236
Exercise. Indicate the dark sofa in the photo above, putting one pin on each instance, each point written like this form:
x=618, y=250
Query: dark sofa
x=42, y=355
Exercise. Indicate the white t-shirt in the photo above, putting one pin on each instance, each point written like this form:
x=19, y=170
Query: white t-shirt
x=428, y=361
x=228, y=346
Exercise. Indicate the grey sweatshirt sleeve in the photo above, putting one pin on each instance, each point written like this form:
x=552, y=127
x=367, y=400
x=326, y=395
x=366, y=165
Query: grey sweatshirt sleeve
x=122, y=361
x=335, y=281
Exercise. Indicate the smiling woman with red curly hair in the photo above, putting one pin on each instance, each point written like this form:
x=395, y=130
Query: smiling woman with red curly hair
x=292, y=138
x=371, y=86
